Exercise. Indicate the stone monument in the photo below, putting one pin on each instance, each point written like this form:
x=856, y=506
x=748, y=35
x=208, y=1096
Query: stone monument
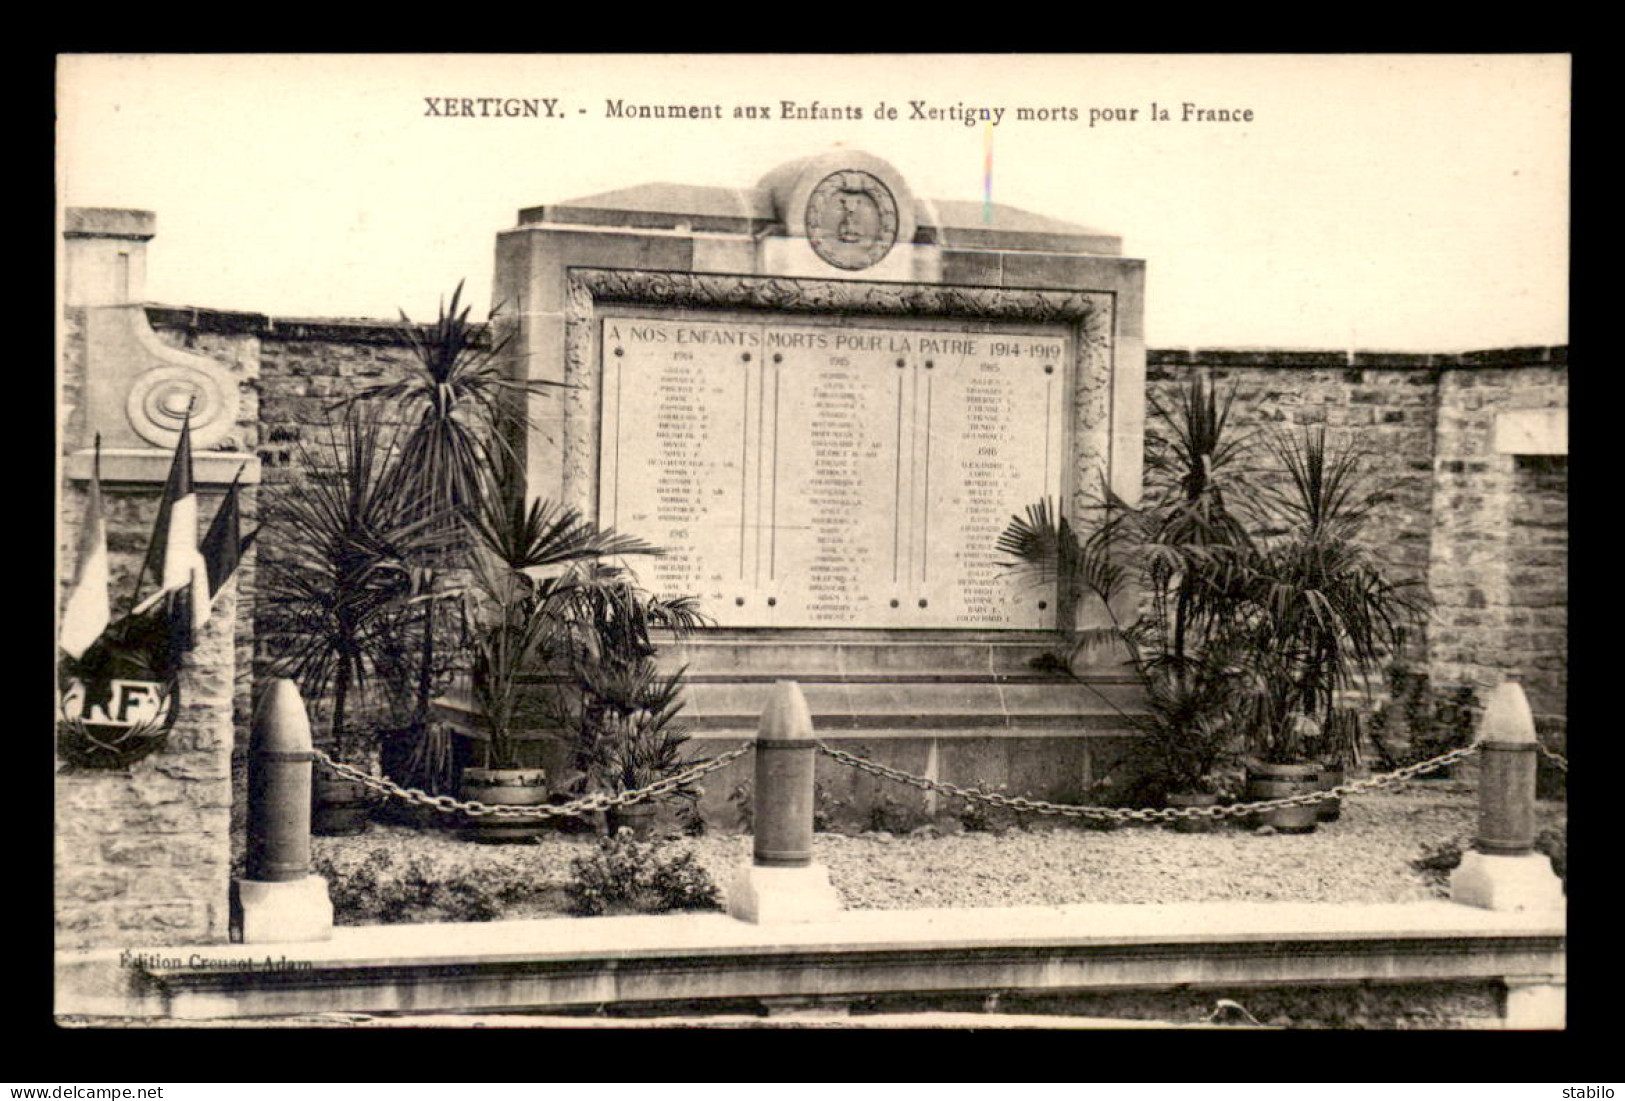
x=826, y=397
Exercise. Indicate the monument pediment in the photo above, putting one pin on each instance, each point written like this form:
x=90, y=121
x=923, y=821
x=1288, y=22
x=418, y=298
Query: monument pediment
x=769, y=205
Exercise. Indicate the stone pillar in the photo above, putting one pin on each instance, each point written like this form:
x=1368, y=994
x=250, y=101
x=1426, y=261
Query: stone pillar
x=105, y=255
x=279, y=900
x=782, y=883
x=1504, y=872
x=143, y=851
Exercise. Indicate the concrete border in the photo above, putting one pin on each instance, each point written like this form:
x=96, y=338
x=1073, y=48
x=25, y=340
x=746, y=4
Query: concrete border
x=684, y=960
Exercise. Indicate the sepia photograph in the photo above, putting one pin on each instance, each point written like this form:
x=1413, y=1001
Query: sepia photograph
x=851, y=541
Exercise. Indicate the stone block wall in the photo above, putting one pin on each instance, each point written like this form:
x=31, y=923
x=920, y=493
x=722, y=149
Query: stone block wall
x=301, y=369
x=1498, y=568
x=200, y=333
x=141, y=855
x=306, y=368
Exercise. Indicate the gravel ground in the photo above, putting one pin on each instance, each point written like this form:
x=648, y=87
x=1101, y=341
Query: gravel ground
x=1363, y=858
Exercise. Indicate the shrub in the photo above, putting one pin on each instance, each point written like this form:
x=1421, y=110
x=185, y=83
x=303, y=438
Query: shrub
x=976, y=816
x=1419, y=721
x=1554, y=842
x=1550, y=781
x=829, y=811
x=743, y=797
x=690, y=821
x=625, y=875
x=1441, y=858
x=382, y=887
x=888, y=814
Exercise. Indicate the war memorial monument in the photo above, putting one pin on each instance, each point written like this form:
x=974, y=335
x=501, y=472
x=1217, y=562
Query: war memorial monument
x=825, y=397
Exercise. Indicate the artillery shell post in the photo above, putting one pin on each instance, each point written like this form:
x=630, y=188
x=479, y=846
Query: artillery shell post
x=782, y=883
x=278, y=900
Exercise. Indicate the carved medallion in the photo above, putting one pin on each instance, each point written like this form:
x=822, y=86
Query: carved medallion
x=159, y=398
x=851, y=220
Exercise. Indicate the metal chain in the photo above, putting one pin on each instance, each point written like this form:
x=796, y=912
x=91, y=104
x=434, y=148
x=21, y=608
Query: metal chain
x=1558, y=760
x=1144, y=814
x=587, y=804
x=474, y=809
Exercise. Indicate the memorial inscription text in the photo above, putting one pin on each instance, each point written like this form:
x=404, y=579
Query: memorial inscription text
x=826, y=475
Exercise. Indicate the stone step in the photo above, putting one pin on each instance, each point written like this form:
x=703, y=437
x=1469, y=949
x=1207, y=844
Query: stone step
x=865, y=653
x=716, y=703
x=917, y=704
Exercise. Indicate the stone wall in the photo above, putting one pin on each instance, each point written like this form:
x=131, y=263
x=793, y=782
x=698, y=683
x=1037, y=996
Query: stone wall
x=141, y=854
x=1500, y=544
x=302, y=368
x=307, y=367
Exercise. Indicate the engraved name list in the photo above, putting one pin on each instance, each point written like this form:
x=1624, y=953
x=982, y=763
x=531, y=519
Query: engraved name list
x=832, y=475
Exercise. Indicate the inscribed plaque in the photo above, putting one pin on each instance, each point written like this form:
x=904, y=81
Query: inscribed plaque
x=831, y=474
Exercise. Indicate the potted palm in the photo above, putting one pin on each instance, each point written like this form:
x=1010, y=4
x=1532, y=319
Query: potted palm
x=534, y=569
x=1178, y=552
x=459, y=405
x=343, y=538
x=1322, y=615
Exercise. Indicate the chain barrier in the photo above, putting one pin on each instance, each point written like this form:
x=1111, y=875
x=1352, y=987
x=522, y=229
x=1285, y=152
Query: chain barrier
x=587, y=804
x=474, y=809
x=1560, y=762
x=1143, y=814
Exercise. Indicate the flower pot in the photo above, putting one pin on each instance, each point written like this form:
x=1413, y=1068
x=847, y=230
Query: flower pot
x=514, y=787
x=1193, y=799
x=1330, y=776
x=338, y=807
x=639, y=818
x=1281, y=782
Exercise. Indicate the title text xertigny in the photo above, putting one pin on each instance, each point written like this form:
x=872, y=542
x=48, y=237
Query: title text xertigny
x=484, y=107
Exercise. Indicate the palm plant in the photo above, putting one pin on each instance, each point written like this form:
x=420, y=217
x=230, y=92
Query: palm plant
x=634, y=736
x=1180, y=553
x=347, y=535
x=620, y=709
x=538, y=565
x=1187, y=729
x=1323, y=614
x=457, y=407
